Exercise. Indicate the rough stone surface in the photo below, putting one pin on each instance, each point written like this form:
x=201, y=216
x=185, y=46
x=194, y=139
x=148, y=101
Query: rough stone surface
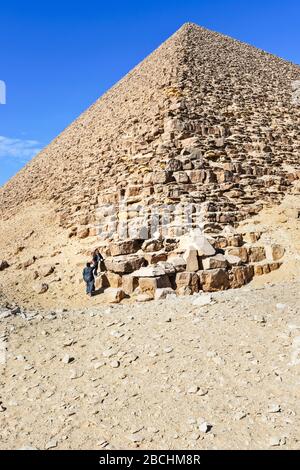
x=213, y=280
x=124, y=264
x=114, y=295
x=3, y=265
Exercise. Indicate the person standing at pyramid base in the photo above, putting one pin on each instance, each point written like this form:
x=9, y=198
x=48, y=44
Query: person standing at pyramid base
x=97, y=258
x=89, y=279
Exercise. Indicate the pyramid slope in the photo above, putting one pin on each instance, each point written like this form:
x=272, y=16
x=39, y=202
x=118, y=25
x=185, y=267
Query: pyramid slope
x=200, y=93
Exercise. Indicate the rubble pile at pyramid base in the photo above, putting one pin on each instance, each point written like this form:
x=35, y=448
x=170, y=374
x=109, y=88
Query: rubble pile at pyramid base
x=157, y=268
x=41, y=268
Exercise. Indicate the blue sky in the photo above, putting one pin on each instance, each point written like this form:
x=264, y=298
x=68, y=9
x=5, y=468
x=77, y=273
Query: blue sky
x=58, y=57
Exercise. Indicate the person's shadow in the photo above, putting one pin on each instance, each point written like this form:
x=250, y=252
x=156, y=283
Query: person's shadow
x=98, y=291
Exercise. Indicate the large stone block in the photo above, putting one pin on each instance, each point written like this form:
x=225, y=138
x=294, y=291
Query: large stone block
x=152, y=245
x=161, y=177
x=195, y=240
x=214, y=280
x=241, y=275
x=124, y=264
x=101, y=282
x=256, y=254
x=240, y=252
x=150, y=271
x=196, y=176
x=114, y=280
x=181, y=177
x=274, y=252
x=163, y=293
x=215, y=262
x=235, y=240
x=125, y=247
x=187, y=282
x=154, y=258
x=178, y=262
x=129, y=284
x=252, y=237
x=192, y=261
x=114, y=296
x=149, y=285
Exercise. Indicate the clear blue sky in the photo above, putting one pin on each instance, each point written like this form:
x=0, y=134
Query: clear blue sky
x=58, y=57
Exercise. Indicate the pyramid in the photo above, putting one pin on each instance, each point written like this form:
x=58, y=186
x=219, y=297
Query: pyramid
x=201, y=135
x=205, y=121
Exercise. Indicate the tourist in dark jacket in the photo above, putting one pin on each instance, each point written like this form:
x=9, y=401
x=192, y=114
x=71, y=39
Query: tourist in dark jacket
x=89, y=279
x=97, y=257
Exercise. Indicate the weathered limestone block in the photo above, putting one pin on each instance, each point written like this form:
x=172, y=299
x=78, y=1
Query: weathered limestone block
x=214, y=280
x=274, y=266
x=184, y=291
x=178, y=262
x=258, y=270
x=114, y=280
x=189, y=280
x=129, y=284
x=274, y=252
x=210, y=176
x=152, y=245
x=125, y=247
x=220, y=243
x=235, y=240
x=147, y=179
x=163, y=293
x=101, y=282
x=150, y=271
x=240, y=252
x=224, y=176
x=197, y=241
x=252, y=237
x=174, y=165
x=226, y=218
x=256, y=254
x=133, y=191
x=154, y=258
x=190, y=143
x=196, y=176
x=161, y=177
x=265, y=268
x=167, y=267
x=215, y=262
x=173, y=124
x=124, y=264
x=181, y=177
x=149, y=285
x=114, y=296
x=240, y=276
x=233, y=260
x=191, y=259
